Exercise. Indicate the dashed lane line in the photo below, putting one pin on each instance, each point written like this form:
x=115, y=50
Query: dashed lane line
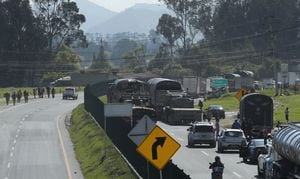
x=180, y=139
x=204, y=153
x=236, y=174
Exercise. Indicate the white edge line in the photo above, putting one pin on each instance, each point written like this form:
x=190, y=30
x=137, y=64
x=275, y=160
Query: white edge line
x=8, y=165
x=171, y=133
x=63, y=150
x=236, y=174
x=180, y=139
x=11, y=154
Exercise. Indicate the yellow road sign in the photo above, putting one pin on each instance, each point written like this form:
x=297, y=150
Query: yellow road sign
x=158, y=147
x=240, y=93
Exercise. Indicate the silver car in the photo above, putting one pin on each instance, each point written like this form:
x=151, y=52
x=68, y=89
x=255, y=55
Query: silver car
x=230, y=139
x=202, y=133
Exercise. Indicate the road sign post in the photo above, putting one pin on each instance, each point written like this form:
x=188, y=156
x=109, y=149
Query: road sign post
x=158, y=147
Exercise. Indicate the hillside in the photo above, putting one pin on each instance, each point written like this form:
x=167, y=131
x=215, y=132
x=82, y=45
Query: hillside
x=140, y=18
x=93, y=13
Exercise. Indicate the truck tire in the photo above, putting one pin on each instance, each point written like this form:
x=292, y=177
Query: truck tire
x=220, y=149
x=190, y=144
x=213, y=144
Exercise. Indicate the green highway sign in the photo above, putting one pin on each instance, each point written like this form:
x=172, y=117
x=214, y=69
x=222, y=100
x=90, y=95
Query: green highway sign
x=219, y=83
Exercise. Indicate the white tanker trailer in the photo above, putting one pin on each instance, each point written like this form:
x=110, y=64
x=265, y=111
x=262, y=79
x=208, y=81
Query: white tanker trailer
x=286, y=143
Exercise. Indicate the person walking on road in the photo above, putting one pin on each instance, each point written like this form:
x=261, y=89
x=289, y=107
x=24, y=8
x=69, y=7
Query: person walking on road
x=217, y=168
x=34, y=92
x=53, y=92
x=6, y=96
x=14, y=96
x=25, y=94
x=286, y=112
x=19, y=96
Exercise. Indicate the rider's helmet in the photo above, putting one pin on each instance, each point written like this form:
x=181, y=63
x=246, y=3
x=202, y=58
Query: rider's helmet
x=217, y=159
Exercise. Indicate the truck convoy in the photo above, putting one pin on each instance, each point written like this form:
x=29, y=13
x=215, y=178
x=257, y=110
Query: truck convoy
x=256, y=115
x=165, y=96
x=171, y=103
x=286, y=143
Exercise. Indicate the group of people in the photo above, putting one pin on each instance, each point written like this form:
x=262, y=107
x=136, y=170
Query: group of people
x=40, y=91
x=16, y=96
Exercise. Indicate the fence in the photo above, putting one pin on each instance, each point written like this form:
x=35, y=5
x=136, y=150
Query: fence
x=117, y=129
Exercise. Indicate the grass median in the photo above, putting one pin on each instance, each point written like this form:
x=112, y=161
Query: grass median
x=95, y=152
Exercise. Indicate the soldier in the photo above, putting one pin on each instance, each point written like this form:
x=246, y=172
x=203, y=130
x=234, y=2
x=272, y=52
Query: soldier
x=19, y=96
x=14, y=96
x=286, y=114
x=48, y=91
x=34, y=92
x=25, y=94
x=7, y=96
x=53, y=92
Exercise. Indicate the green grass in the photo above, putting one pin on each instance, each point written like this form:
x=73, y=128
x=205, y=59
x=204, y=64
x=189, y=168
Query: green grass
x=230, y=103
x=94, y=150
x=103, y=99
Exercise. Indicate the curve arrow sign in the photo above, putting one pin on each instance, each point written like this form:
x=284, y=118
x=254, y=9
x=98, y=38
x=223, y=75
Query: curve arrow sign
x=159, y=142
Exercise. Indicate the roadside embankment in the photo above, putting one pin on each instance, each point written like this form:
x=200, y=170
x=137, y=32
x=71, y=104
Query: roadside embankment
x=95, y=152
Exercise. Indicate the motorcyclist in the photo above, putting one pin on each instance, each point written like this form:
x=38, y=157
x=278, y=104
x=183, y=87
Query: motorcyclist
x=236, y=125
x=217, y=168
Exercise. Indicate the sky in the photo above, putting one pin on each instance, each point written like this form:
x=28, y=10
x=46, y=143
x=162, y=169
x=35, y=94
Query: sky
x=120, y=5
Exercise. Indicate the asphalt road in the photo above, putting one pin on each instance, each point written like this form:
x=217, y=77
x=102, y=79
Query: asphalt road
x=195, y=161
x=34, y=143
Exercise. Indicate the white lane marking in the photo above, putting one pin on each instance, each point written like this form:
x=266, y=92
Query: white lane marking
x=204, y=153
x=6, y=178
x=17, y=136
x=18, y=130
x=236, y=174
x=11, y=154
x=171, y=133
x=8, y=165
x=23, y=119
x=15, y=141
x=13, y=148
x=63, y=149
x=180, y=139
x=26, y=116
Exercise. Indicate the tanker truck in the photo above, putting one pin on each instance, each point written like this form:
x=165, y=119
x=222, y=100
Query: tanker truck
x=286, y=143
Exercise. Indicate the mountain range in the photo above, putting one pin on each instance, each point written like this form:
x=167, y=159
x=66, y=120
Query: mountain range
x=139, y=18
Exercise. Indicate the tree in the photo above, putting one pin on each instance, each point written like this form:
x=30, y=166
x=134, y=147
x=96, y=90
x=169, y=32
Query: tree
x=60, y=21
x=121, y=48
x=170, y=28
x=135, y=60
x=21, y=43
x=101, y=61
x=185, y=12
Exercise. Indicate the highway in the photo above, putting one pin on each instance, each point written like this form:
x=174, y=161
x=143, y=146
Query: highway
x=34, y=141
x=195, y=161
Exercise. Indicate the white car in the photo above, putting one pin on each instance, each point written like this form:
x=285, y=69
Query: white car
x=70, y=92
x=201, y=133
x=230, y=139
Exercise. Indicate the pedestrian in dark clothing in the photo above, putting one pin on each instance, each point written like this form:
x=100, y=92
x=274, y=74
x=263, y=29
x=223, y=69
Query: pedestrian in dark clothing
x=286, y=114
x=34, y=92
x=14, y=96
x=19, y=96
x=53, y=92
x=6, y=96
x=278, y=124
x=25, y=94
x=200, y=104
x=217, y=168
x=48, y=91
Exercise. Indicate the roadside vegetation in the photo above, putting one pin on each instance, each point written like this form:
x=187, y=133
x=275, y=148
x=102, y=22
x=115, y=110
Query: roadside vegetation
x=95, y=152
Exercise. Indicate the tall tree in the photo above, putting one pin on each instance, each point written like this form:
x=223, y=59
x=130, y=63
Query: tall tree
x=185, y=11
x=60, y=21
x=21, y=42
x=170, y=28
